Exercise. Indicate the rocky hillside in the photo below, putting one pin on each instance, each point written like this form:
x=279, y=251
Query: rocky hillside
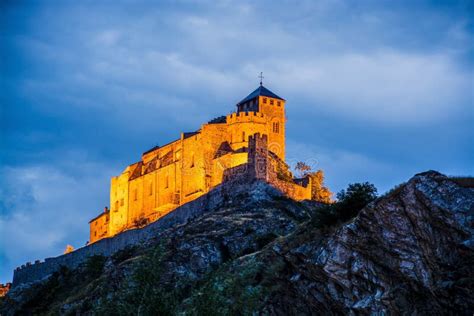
x=408, y=252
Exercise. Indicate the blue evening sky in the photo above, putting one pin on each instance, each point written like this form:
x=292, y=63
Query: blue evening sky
x=376, y=91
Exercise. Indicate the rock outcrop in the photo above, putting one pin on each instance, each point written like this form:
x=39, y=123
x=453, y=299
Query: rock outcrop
x=410, y=251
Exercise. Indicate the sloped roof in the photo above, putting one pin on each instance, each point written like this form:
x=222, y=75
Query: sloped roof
x=260, y=91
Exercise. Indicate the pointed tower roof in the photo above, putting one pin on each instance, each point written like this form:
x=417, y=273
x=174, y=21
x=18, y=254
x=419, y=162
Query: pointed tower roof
x=260, y=91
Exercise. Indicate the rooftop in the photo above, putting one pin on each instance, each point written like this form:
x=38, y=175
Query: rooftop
x=260, y=91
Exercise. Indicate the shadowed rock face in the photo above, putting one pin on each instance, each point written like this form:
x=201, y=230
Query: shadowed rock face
x=410, y=251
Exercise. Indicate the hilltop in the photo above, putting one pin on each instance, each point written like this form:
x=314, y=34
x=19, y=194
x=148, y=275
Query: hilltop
x=409, y=251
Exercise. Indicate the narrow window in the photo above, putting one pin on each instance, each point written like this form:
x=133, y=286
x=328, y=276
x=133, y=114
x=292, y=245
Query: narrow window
x=151, y=189
x=116, y=205
x=278, y=103
x=121, y=202
x=192, y=160
x=271, y=101
x=276, y=127
x=166, y=182
x=264, y=100
x=135, y=195
x=243, y=136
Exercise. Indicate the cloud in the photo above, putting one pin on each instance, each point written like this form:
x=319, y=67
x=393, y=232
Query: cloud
x=174, y=58
x=45, y=207
x=384, y=87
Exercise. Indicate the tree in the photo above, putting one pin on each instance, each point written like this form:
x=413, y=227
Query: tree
x=363, y=192
x=302, y=168
x=319, y=192
x=348, y=205
x=354, y=198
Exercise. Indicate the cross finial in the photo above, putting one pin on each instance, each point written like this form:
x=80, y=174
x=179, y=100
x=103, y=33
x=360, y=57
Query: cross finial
x=261, y=77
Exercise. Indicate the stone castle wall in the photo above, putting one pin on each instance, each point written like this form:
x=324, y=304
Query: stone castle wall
x=173, y=174
x=40, y=270
x=260, y=166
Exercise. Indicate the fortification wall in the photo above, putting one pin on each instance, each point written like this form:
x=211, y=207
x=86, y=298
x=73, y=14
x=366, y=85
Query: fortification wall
x=259, y=167
x=40, y=270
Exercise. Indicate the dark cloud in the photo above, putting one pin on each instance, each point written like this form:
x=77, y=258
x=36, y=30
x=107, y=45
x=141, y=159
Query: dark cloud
x=376, y=91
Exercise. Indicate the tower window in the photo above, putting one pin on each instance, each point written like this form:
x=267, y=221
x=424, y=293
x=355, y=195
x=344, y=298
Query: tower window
x=264, y=100
x=192, y=161
x=271, y=101
x=243, y=136
x=166, y=181
x=151, y=189
x=276, y=127
x=135, y=195
x=121, y=202
x=278, y=103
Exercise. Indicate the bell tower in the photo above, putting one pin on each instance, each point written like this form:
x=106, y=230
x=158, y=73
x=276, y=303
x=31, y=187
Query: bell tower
x=272, y=107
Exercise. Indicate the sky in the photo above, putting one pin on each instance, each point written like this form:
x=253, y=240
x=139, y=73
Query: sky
x=376, y=91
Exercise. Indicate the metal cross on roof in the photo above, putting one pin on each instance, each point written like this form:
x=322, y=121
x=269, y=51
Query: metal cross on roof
x=261, y=77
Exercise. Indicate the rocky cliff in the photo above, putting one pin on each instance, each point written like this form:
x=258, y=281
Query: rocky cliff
x=410, y=251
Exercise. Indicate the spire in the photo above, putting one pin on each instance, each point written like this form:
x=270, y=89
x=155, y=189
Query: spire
x=261, y=78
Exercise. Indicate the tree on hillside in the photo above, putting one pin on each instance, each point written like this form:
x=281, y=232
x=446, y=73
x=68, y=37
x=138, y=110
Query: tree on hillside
x=354, y=198
x=348, y=205
x=302, y=168
x=319, y=192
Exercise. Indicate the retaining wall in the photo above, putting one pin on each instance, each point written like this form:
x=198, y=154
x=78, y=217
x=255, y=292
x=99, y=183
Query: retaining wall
x=40, y=270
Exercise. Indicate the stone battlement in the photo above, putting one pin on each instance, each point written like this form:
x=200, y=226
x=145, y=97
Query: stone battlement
x=240, y=117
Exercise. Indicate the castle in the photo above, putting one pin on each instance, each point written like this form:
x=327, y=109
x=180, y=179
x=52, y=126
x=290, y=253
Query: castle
x=248, y=143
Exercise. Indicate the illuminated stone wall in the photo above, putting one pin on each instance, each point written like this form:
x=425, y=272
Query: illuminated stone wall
x=183, y=170
x=99, y=226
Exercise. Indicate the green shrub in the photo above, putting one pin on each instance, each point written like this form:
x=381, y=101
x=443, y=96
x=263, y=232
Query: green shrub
x=349, y=204
x=94, y=265
x=124, y=254
x=465, y=182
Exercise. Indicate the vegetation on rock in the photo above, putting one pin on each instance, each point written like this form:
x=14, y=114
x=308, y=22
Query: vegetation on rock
x=408, y=252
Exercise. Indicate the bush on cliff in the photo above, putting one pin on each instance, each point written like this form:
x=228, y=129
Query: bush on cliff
x=94, y=265
x=348, y=205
